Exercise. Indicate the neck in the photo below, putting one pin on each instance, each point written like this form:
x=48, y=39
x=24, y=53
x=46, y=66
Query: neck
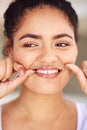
x=41, y=106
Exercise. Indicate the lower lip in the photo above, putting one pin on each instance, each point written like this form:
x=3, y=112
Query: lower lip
x=47, y=75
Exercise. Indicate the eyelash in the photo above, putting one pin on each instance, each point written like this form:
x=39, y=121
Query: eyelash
x=62, y=44
x=29, y=45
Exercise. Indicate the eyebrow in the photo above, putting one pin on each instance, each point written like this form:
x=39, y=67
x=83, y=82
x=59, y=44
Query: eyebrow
x=62, y=35
x=30, y=36
x=40, y=37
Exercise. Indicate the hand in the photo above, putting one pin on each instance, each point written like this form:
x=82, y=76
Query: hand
x=7, y=68
x=81, y=74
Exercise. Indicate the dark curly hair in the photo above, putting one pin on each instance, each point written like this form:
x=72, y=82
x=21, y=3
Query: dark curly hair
x=17, y=8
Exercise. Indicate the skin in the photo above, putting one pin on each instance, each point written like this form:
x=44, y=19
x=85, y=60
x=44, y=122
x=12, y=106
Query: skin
x=45, y=52
x=41, y=100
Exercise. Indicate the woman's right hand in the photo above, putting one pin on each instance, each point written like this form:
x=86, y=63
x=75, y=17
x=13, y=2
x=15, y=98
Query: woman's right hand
x=7, y=68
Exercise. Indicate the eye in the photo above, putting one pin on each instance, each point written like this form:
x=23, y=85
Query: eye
x=61, y=44
x=30, y=45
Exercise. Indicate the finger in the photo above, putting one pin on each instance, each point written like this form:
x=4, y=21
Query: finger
x=2, y=69
x=8, y=72
x=8, y=87
x=19, y=80
x=18, y=66
x=84, y=67
x=80, y=76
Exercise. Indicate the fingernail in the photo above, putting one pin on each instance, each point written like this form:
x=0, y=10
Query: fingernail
x=30, y=72
x=68, y=66
x=21, y=72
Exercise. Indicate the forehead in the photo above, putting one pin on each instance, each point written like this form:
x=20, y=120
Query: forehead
x=45, y=10
x=41, y=11
x=44, y=18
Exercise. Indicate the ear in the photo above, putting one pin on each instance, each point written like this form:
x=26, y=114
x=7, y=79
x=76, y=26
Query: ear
x=9, y=49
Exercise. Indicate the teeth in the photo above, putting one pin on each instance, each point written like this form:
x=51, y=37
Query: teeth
x=47, y=71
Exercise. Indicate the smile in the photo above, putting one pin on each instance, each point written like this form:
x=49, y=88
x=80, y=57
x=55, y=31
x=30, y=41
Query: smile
x=47, y=73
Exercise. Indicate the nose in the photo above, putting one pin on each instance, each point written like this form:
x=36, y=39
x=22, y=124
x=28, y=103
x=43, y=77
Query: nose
x=48, y=56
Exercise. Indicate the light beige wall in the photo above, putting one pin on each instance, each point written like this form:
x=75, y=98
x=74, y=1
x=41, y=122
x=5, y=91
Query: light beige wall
x=3, y=6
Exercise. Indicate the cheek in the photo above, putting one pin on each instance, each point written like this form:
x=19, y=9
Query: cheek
x=69, y=57
x=24, y=59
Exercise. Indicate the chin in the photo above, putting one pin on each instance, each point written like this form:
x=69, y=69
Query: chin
x=45, y=85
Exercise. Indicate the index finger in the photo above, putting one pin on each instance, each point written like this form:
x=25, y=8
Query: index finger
x=80, y=76
x=17, y=66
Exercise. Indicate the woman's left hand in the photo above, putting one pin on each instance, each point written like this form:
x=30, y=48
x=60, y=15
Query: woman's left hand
x=81, y=74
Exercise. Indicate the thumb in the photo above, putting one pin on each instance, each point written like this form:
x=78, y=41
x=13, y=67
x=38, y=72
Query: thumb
x=9, y=86
x=20, y=78
x=80, y=76
x=77, y=71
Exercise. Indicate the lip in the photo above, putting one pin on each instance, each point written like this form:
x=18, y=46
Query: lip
x=47, y=72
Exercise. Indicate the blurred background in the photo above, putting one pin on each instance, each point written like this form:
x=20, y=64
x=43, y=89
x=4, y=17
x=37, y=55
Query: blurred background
x=72, y=90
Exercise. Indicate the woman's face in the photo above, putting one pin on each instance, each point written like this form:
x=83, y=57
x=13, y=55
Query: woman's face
x=45, y=43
